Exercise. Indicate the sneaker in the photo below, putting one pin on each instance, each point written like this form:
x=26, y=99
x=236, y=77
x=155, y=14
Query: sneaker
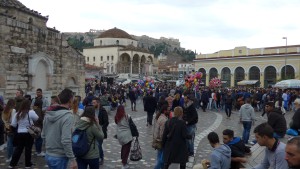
x=8, y=160
x=126, y=166
x=41, y=154
x=251, y=142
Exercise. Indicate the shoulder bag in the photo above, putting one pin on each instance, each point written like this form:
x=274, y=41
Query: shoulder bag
x=33, y=130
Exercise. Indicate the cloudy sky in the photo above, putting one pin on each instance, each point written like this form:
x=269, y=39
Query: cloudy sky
x=206, y=26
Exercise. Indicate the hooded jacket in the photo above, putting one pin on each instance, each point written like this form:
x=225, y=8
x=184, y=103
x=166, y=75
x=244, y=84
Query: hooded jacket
x=220, y=157
x=247, y=113
x=94, y=133
x=57, y=132
x=238, y=149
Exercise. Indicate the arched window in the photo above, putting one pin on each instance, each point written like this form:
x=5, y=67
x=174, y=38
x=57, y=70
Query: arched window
x=270, y=76
x=117, y=42
x=203, y=79
x=254, y=73
x=112, y=58
x=290, y=72
x=101, y=58
x=100, y=42
x=88, y=59
x=107, y=58
x=239, y=75
x=226, y=77
x=213, y=72
x=94, y=58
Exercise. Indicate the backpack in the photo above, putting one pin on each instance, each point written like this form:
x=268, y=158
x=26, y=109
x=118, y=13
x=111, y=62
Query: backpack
x=80, y=144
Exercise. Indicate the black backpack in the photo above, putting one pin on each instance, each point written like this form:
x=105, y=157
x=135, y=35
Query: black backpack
x=80, y=144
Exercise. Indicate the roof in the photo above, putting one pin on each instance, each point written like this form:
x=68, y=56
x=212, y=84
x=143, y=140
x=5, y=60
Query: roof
x=131, y=47
x=115, y=33
x=19, y=6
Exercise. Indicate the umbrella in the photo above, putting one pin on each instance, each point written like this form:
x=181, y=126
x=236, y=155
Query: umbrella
x=292, y=83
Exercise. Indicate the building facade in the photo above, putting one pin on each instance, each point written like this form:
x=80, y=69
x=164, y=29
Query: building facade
x=34, y=56
x=118, y=52
x=265, y=65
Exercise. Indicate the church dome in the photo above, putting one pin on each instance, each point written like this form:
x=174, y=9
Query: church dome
x=115, y=33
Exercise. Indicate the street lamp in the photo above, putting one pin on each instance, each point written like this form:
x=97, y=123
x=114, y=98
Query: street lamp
x=285, y=57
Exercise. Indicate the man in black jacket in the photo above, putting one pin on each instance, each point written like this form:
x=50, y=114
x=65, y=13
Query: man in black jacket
x=190, y=116
x=150, y=106
x=102, y=115
x=238, y=148
x=295, y=123
x=276, y=120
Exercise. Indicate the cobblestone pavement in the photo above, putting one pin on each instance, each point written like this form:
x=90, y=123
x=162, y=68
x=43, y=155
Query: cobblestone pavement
x=208, y=121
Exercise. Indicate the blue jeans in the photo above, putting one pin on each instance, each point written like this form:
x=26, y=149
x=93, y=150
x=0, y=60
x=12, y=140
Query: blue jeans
x=100, y=142
x=84, y=163
x=190, y=142
x=38, y=144
x=10, y=146
x=57, y=162
x=246, y=133
x=159, y=160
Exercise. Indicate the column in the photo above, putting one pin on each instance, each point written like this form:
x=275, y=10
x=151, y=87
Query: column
x=262, y=79
x=207, y=80
x=246, y=75
x=278, y=76
x=130, y=68
x=232, y=80
x=139, y=67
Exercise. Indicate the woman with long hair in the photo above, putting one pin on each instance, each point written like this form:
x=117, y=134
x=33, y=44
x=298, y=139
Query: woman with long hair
x=76, y=110
x=7, y=116
x=24, y=117
x=159, y=126
x=174, y=137
x=89, y=122
x=123, y=134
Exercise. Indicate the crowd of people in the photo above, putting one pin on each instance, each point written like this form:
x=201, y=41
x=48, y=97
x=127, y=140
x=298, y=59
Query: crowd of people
x=172, y=112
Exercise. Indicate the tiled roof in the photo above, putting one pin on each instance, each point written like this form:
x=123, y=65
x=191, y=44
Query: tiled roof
x=115, y=33
x=19, y=6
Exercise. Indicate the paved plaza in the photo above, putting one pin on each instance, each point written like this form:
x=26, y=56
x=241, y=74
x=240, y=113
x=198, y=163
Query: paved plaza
x=208, y=121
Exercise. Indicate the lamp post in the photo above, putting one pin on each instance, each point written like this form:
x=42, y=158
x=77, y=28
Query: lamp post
x=285, y=57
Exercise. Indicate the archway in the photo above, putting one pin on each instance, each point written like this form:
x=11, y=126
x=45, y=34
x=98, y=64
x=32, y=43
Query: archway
x=124, y=64
x=143, y=62
x=213, y=72
x=290, y=72
x=135, y=64
x=254, y=73
x=239, y=75
x=203, y=79
x=226, y=77
x=270, y=76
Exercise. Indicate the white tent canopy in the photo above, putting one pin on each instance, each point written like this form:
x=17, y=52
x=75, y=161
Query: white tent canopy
x=291, y=83
x=247, y=82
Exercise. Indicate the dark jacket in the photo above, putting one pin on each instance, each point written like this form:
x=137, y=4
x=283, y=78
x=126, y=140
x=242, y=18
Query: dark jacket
x=238, y=149
x=150, y=104
x=103, y=120
x=190, y=114
x=131, y=95
x=205, y=97
x=277, y=121
x=174, y=140
x=295, y=123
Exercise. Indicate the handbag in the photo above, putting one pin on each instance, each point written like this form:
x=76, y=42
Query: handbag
x=133, y=128
x=33, y=130
x=157, y=144
x=136, y=152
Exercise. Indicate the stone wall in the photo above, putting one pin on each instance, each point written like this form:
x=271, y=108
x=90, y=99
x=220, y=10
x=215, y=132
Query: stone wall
x=20, y=42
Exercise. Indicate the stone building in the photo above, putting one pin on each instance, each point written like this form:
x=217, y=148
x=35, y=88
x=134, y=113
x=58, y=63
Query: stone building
x=258, y=66
x=34, y=56
x=118, y=52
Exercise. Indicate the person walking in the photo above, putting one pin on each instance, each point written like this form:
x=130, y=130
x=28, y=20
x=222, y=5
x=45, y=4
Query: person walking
x=7, y=117
x=90, y=123
x=132, y=96
x=123, y=135
x=247, y=118
x=159, y=127
x=228, y=104
x=24, y=117
x=150, y=105
x=57, y=133
x=174, y=140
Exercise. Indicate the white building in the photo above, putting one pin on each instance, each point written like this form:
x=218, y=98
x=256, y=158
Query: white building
x=117, y=51
x=185, y=68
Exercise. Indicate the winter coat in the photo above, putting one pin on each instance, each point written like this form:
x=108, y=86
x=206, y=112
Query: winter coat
x=150, y=104
x=247, y=113
x=103, y=120
x=190, y=114
x=94, y=133
x=277, y=121
x=123, y=131
x=174, y=141
x=159, y=127
x=238, y=149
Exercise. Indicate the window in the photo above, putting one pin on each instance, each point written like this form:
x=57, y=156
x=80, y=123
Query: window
x=112, y=57
x=100, y=42
x=101, y=58
x=94, y=59
x=88, y=59
x=107, y=58
x=240, y=51
x=117, y=42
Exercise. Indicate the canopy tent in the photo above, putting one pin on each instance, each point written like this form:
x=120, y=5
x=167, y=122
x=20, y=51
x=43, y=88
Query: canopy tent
x=90, y=77
x=291, y=83
x=247, y=82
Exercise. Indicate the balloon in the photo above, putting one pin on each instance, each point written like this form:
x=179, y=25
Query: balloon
x=152, y=86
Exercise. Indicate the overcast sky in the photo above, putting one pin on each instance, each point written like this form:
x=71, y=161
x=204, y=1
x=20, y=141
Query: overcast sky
x=206, y=26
